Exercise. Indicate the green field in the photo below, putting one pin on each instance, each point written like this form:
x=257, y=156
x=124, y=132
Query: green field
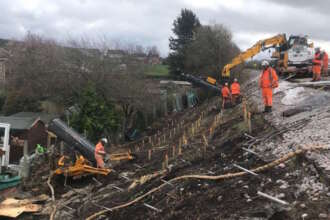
x=157, y=70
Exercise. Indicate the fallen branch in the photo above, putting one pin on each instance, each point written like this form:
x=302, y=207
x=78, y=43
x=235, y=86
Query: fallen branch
x=53, y=195
x=272, y=198
x=52, y=215
x=206, y=177
x=50, y=186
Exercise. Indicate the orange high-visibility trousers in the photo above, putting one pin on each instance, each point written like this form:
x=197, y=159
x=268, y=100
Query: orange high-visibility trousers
x=99, y=161
x=267, y=94
x=316, y=76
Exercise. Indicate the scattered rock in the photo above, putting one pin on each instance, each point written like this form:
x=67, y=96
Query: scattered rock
x=249, y=200
x=219, y=198
x=323, y=215
x=304, y=215
x=282, y=165
x=302, y=205
x=246, y=186
x=284, y=186
x=281, y=196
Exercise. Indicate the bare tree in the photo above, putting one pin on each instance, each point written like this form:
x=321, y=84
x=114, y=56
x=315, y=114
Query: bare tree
x=210, y=50
x=36, y=70
x=152, y=51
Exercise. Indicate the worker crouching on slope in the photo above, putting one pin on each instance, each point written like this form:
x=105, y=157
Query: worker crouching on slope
x=268, y=81
x=100, y=153
x=317, y=63
x=226, y=97
x=235, y=89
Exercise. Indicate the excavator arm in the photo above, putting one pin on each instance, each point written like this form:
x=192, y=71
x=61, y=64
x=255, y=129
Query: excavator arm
x=254, y=50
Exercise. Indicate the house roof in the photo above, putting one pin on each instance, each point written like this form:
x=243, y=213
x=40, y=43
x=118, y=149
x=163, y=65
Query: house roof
x=44, y=117
x=19, y=123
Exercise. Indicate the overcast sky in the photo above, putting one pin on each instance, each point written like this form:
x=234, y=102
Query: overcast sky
x=149, y=22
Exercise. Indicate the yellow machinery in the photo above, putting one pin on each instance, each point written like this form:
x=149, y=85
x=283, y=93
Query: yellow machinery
x=261, y=45
x=80, y=168
x=211, y=80
x=121, y=156
x=292, y=55
x=83, y=167
x=83, y=164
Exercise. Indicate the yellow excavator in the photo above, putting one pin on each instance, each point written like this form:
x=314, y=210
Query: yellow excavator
x=293, y=54
x=84, y=150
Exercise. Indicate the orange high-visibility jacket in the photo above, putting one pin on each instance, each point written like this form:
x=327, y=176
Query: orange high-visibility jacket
x=317, y=62
x=325, y=60
x=268, y=80
x=225, y=92
x=99, y=149
x=235, y=89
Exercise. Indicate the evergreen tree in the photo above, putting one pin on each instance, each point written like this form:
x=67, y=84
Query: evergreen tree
x=95, y=117
x=183, y=29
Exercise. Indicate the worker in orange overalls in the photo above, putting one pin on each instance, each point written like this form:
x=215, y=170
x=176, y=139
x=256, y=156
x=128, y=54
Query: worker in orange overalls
x=235, y=90
x=317, y=63
x=100, y=153
x=268, y=81
x=226, y=96
x=325, y=63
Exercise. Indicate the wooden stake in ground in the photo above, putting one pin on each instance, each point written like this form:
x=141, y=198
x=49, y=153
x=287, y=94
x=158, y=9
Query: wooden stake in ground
x=185, y=141
x=206, y=177
x=249, y=122
x=205, y=145
x=244, y=110
x=166, y=160
x=180, y=147
x=173, y=150
x=149, y=154
x=210, y=131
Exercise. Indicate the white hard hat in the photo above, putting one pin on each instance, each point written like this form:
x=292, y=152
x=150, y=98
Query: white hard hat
x=104, y=140
x=264, y=63
x=235, y=80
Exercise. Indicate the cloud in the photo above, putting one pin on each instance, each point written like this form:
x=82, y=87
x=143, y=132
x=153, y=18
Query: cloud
x=149, y=22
